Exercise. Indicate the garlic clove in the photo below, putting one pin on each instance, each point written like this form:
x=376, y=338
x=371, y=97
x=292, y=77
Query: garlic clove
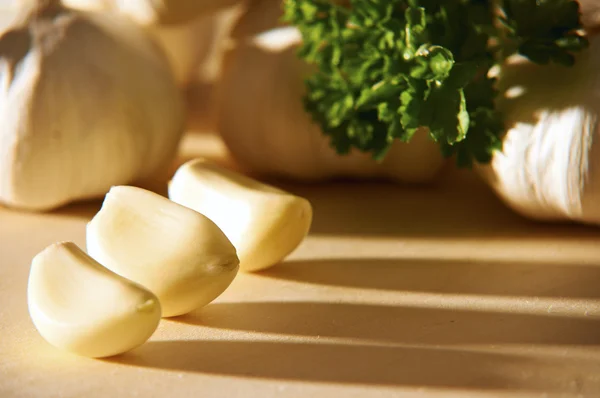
x=265, y=224
x=177, y=253
x=78, y=305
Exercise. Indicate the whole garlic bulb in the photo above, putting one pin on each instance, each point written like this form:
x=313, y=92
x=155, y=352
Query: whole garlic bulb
x=258, y=16
x=188, y=31
x=86, y=102
x=549, y=168
x=165, y=12
x=590, y=15
x=263, y=122
x=188, y=46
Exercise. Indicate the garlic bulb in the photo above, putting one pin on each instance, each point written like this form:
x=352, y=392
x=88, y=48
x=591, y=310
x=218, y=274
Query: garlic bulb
x=87, y=101
x=195, y=48
x=549, y=168
x=590, y=14
x=263, y=122
x=153, y=12
x=188, y=31
x=187, y=46
x=156, y=12
x=258, y=16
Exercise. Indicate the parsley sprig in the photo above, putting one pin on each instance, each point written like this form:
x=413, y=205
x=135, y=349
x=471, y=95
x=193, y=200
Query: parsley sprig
x=389, y=67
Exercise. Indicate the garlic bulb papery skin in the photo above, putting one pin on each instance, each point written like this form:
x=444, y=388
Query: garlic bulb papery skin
x=168, y=12
x=263, y=122
x=87, y=101
x=549, y=168
x=258, y=16
x=590, y=15
x=190, y=42
x=187, y=46
x=8, y=13
x=156, y=12
x=78, y=305
x=195, y=48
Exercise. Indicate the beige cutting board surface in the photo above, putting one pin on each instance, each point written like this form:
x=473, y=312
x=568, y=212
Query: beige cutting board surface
x=438, y=292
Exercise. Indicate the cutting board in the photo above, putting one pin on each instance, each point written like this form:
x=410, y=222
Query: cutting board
x=398, y=291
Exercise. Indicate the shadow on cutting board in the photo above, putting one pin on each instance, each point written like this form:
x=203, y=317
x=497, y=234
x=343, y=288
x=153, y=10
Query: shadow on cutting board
x=462, y=207
x=333, y=363
x=431, y=344
x=386, y=345
x=385, y=324
x=359, y=364
x=466, y=278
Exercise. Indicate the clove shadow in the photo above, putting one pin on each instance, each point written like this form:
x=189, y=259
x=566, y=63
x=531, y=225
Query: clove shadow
x=383, y=324
x=201, y=107
x=481, y=278
x=83, y=209
x=367, y=365
x=465, y=210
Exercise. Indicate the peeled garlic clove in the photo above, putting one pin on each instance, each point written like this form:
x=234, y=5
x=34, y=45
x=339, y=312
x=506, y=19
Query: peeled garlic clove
x=177, y=253
x=265, y=224
x=78, y=305
x=87, y=101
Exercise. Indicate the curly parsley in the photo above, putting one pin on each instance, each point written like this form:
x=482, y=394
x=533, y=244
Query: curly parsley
x=389, y=67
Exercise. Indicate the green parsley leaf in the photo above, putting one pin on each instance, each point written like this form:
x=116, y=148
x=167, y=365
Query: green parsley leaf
x=389, y=67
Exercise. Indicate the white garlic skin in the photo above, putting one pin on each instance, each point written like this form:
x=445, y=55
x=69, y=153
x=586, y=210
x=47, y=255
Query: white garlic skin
x=78, y=305
x=265, y=126
x=187, y=46
x=188, y=31
x=549, y=168
x=168, y=12
x=590, y=15
x=87, y=101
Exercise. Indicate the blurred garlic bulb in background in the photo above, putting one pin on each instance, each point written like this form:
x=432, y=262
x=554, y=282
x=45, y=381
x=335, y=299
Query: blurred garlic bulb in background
x=590, y=15
x=87, y=101
x=188, y=31
x=167, y=12
x=258, y=16
x=189, y=47
x=549, y=168
x=263, y=122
